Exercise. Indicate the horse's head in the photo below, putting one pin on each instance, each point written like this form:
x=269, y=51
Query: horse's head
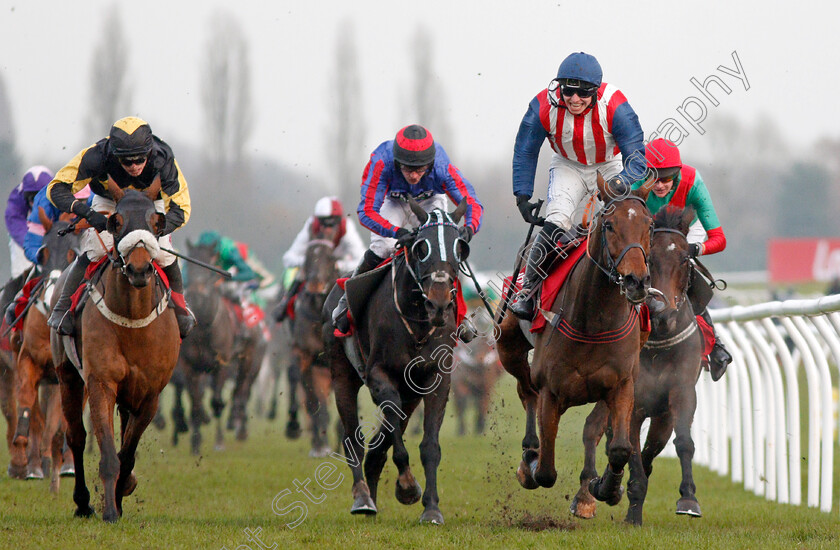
x=623, y=234
x=434, y=257
x=135, y=224
x=57, y=251
x=203, y=286
x=670, y=266
x=320, y=269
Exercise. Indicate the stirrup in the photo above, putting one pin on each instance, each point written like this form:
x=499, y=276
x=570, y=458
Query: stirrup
x=524, y=307
x=64, y=325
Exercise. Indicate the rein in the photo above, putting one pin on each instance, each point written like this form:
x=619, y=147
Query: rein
x=611, y=271
x=99, y=300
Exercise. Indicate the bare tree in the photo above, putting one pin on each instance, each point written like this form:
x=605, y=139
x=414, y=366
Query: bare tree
x=10, y=172
x=109, y=94
x=226, y=91
x=347, y=125
x=427, y=93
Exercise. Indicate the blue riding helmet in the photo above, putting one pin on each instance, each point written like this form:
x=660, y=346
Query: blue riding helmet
x=581, y=66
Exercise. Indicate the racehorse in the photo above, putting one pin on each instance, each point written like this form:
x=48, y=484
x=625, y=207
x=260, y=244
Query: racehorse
x=34, y=366
x=405, y=335
x=473, y=378
x=207, y=350
x=319, y=273
x=589, y=351
x=129, y=345
x=670, y=367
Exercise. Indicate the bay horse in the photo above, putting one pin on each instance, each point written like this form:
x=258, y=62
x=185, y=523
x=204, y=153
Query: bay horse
x=319, y=273
x=589, y=351
x=473, y=378
x=129, y=345
x=665, y=389
x=406, y=334
x=208, y=351
x=34, y=368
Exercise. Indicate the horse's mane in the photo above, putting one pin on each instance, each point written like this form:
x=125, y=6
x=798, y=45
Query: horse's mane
x=672, y=217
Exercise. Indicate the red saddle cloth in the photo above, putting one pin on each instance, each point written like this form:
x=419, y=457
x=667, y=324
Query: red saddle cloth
x=708, y=335
x=23, y=299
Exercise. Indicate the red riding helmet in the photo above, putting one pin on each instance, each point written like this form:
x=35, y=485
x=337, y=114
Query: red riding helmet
x=414, y=146
x=663, y=156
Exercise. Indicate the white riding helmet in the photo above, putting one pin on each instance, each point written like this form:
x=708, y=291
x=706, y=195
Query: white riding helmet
x=327, y=207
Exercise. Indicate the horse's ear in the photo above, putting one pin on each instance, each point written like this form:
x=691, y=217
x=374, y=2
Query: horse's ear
x=154, y=189
x=42, y=255
x=460, y=211
x=45, y=220
x=643, y=191
x=687, y=218
x=421, y=214
x=115, y=224
x=116, y=193
x=602, y=186
x=159, y=222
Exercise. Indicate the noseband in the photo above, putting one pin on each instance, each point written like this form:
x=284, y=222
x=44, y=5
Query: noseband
x=678, y=300
x=611, y=269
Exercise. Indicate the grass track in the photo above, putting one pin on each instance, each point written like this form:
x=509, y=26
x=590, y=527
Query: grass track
x=188, y=502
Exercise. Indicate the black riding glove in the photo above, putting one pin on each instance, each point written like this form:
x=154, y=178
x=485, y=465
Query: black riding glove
x=466, y=233
x=95, y=219
x=528, y=210
x=404, y=236
x=694, y=250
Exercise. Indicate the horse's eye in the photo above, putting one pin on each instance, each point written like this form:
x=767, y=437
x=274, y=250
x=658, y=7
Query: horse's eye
x=608, y=226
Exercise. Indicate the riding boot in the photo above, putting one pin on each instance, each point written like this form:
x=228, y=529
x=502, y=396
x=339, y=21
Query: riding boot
x=542, y=255
x=185, y=317
x=719, y=358
x=10, y=290
x=339, y=315
x=281, y=311
x=62, y=319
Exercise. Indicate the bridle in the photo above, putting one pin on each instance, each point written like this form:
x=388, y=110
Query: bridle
x=678, y=300
x=611, y=269
x=439, y=276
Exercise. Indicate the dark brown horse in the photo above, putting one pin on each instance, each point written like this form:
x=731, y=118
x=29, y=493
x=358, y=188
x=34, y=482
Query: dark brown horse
x=129, y=345
x=406, y=336
x=208, y=351
x=319, y=273
x=664, y=390
x=34, y=366
x=590, y=350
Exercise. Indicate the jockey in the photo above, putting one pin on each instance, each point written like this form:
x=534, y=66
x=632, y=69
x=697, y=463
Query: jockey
x=133, y=157
x=591, y=128
x=327, y=222
x=409, y=165
x=680, y=185
x=18, y=208
x=248, y=272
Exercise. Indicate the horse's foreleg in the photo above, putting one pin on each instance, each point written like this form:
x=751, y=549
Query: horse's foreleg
x=72, y=389
x=134, y=426
x=27, y=376
x=321, y=385
x=102, y=401
x=683, y=406
x=179, y=418
x=293, y=430
x=53, y=433
x=608, y=488
x=550, y=411
x=242, y=393
x=435, y=408
x=637, y=485
x=7, y=401
x=346, y=384
x=198, y=416
x=220, y=375
x=584, y=504
x=513, y=348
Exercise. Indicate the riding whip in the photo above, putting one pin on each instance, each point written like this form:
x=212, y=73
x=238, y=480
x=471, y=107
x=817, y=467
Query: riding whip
x=222, y=272
x=517, y=267
x=467, y=270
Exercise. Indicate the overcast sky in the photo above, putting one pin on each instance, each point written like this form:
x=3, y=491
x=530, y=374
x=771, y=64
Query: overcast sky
x=490, y=56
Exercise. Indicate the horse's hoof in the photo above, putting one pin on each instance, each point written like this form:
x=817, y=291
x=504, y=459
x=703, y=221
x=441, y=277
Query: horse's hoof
x=67, y=470
x=633, y=518
x=111, y=517
x=320, y=452
x=526, y=477
x=16, y=472
x=432, y=517
x=582, y=509
x=689, y=507
x=242, y=434
x=46, y=463
x=35, y=472
x=130, y=484
x=364, y=505
x=83, y=512
x=612, y=500
x=293, y=430
x=408, y=495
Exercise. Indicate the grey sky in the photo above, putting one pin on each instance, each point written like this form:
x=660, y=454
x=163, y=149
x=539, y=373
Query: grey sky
x=491, y=56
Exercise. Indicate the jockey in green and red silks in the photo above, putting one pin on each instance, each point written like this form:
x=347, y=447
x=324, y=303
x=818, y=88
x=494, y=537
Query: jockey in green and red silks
x=681, y=185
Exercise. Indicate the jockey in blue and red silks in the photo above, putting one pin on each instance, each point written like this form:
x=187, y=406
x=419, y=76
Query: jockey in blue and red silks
x=411, y=164
x=591, y=128
x=18, y=208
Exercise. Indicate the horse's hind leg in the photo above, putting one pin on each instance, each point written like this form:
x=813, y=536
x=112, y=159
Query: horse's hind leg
x=133, y=427
x=658, y=435
x=513, y=348
x=72, y=404
x=435, y=408
x=293, y=430
x=195, y=389
x=54, y=434
x=102, y=401
x=683, y=407
x=637, y=485
x=321, y=384
x=607, y=488
x=584, y=504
